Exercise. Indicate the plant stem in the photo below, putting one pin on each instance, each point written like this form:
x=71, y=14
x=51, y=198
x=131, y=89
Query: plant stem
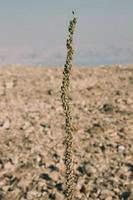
x=68, y=161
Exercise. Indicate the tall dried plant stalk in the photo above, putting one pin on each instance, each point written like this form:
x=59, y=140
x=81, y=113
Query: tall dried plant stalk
x=68, y=160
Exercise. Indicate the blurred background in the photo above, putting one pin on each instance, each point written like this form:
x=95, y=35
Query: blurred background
x=34, y=32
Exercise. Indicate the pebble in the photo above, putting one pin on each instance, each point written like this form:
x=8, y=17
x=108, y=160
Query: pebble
x=55, y=176
x=6, y=124
x=15, y=194
x=41, y=185
x=2, y=91
x=24, y=183
x=59, y=196
x=31, y=195
x=8, y=166
x=121, y=149
x=9, y=84
x=59, y=186
x=108, y=108
x=45, y=176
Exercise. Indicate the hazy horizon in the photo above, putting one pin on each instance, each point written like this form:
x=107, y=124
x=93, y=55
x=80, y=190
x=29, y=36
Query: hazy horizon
x=35, y=32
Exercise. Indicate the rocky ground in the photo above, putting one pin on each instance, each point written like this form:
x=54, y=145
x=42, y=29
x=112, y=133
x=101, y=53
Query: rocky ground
x=32, y=133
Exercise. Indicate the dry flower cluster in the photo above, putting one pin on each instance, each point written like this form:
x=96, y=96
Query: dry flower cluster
x=69, y=126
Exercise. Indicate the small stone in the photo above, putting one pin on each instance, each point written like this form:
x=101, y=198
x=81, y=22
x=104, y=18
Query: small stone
x=121, y=149
x=109, y=198
x=41, y=186
x=44, y=125
x=24, y=184
x=1, y=194
x=15, y=194
x=5, y=188
x=59, y=196
x=14, y=160
x=6, y=124
x=26, y=125
x=22, y=198
x=37, y=159
x=81, y=169
x=53, y=168
x=59, y=186
x=83, y=189
x=9, y=84
x=52, y=196
x=1, y=123
x=55, y=176
x=89, y=169
x=45, y=176
x=125, y=195
x=2, y=91
x=1, y=164
x=108, y=108
x=32, y=195
x=8, y=166
x=45, y=195
x=49, y=92
x=106, y=193
x=61, y=167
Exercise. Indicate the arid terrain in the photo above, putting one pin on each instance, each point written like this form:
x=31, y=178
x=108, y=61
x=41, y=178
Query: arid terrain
x=32, y=133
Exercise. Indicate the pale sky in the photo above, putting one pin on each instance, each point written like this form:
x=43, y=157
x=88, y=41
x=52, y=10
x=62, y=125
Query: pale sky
x=35, y=31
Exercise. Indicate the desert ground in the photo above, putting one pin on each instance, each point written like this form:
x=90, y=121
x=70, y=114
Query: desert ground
x=32, y=133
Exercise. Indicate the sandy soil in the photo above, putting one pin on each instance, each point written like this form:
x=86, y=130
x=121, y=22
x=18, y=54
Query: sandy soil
x=32, y=133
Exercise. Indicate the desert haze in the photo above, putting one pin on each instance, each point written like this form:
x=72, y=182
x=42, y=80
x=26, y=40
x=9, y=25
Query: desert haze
x=32, y=132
